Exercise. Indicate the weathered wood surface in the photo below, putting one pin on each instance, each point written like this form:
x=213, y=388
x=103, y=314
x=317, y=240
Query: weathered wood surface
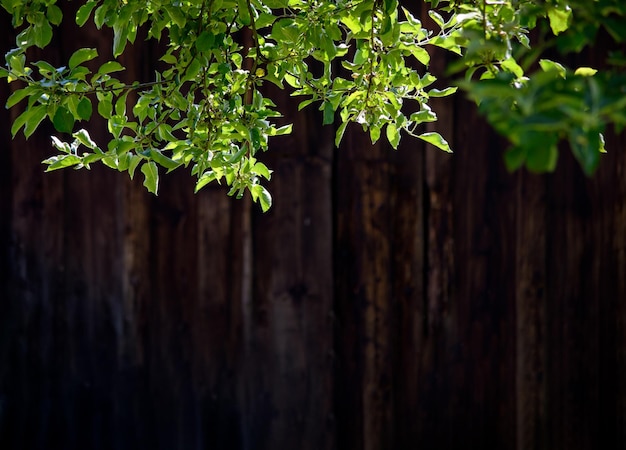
x=389, y=300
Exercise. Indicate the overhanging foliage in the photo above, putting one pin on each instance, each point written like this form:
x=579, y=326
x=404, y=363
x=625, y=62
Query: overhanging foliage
x=363, y=61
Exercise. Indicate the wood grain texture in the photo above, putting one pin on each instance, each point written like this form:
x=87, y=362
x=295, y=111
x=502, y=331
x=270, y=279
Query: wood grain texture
x=404, y=299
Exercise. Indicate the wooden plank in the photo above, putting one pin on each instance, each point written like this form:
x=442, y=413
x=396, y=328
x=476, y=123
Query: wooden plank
x=6, y=185
x=35, y=234
x=410, y=351
x=483, y=230
x=572, y=311
x=10, y=304
x=607, y=232
x=617, y=348
x=218, y=328
x=531, y=325
x=289, y=328
x=440, y=309
x=363, y=295
x=173, y=303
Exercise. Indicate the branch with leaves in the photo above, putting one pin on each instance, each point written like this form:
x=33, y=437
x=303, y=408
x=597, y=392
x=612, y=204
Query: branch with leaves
x=206, y=109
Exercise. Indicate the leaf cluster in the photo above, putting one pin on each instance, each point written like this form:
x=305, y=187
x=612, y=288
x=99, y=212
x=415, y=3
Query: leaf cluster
x=362, y=61
x=534, y=101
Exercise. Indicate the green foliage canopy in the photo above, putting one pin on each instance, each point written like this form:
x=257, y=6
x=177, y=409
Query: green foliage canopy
x=363, y=61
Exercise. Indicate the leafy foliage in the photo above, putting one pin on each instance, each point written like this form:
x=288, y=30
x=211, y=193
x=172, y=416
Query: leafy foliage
x=363, y=61
x=534, y=101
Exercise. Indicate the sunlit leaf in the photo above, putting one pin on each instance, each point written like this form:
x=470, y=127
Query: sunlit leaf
x=82, y=55
x=437, y=140
x=151, y=176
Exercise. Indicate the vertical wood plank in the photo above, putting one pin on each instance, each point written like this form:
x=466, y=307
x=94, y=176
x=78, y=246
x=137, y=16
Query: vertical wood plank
x=8, y=318
x=617, y=352
x=531, y=299
x=484, y=248
x=440, y=314
x=217, y=322
x=565, y=252
x=363, y=294
x=409, y=344
x=605, y=291
x=289, y=321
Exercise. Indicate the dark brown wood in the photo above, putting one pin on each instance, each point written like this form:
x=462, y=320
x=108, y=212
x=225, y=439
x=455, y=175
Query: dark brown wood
x=404, y=299
x=364, y=300
x=531, y=321
x=288, y=321
x=410, y=350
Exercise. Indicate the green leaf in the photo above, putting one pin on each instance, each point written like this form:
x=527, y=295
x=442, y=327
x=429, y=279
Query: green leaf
x=60, y=145
x=120, y=37
x=21, y=120
x=205, y=42
x=45, y=68
x=329, y=113
x=61, y=161
x=442, y=92
x=602, y=148
x=436, y=18
x=163, y=160
x=20, y=94
x=132, y=165
x=105, y=104
x=420, y=53
x=512, y=66
x=261, y=169
x=83, y=137
x=244, y=14
x=110, y=67
x=193, y=70
x=262, y=195
x=542, y=159
x=16, y=63
x=374, y=133
x=281, y=131
x=116, y=125
x=559, y=18
x=82, y=55
x=91, y=158
x=285, y=30
x=84, y=12
x=63, y=120
x=151, y=176
x=425, y=115
x=176, y=15
x=42, y=34
x=393, y=135
x=169, y=58
x=205, y=179
x=84, y=109
x=436, y=139
x=353, y=23
x=585, y=71
x=275, y=4
x=54, y=14
x=340, y=132
x=35, y=116
x=514, y=158
x=587, y=147
x=548, y=66
x=236, y=157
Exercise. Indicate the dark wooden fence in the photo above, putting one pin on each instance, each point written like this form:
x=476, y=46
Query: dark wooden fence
x=389, y=300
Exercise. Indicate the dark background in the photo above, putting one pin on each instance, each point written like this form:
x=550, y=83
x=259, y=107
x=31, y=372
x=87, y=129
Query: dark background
x=389, y=300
